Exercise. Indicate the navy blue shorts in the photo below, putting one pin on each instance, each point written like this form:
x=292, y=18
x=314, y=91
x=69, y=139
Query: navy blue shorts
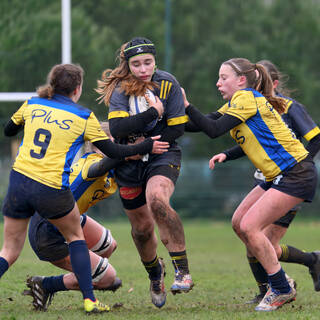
x=300, y=181
x=26, y=196
x=133, y=176
x=46, y=240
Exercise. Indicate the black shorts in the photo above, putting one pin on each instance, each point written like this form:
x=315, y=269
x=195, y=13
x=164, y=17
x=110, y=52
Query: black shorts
x=300, y=181
x=46, y=240
x=25, y=196
x=133, y=176
x=286, y=220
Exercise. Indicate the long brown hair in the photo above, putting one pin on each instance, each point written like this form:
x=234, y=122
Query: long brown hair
x=275, y=74
x=121, y=76
x=259, y=79
x=62, y=79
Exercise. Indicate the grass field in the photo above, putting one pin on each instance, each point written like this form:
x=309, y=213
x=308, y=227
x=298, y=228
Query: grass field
x=218, y=265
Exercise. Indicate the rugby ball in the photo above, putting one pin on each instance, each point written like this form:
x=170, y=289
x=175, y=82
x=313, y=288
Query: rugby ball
x=138, y=104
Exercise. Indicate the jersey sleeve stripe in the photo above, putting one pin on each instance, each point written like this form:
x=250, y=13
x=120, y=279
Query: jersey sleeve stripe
x=312, y=133
x=118, y=114
x=177, y=120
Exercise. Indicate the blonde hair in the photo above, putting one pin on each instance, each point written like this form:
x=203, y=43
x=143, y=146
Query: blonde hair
x=62, y=79
x=121, y=77
x=257, y=78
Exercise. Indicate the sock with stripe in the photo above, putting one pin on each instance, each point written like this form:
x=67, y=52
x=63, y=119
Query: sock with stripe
x=180, y=262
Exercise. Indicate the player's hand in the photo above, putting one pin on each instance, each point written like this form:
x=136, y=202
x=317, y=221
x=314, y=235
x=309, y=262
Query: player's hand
x=156, y=104
x=217, y=158
x=185, y=100
x=159, y=147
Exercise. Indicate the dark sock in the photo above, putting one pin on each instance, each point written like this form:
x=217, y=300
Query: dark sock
x=80, y=261
x=279, y=282
x=180, y=262
x=4, y=266
x=259, y=274
x=294, y=255
x=153, y=268
x=54, y=284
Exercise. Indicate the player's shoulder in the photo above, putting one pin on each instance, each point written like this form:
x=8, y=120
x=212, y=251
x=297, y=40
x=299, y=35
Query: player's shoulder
x=160, y=75
x=246, y=94
x=62, y=103
x=292, y=105
x=118, y=94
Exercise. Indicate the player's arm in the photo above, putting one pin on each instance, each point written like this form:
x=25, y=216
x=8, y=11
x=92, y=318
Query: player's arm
x=171, y=133
x=191, y=127
x=212, y=128
x=11, y=129
x=233, y=153
x=124, y=126
x=100, y=168
x=304, y=125
x=119, y=151
x=314, y=145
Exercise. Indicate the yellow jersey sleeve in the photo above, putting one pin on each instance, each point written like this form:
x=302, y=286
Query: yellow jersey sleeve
x=93, y=130
x=242, y=105
x=223, y=109
x=17, y=117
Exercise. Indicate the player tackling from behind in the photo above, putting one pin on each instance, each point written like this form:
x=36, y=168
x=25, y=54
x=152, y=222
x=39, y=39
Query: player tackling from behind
x=146, y=185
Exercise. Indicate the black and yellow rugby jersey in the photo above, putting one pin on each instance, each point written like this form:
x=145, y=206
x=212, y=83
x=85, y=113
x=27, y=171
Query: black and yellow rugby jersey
x=169, y=92
x=88, y=191
x=54, y=131
x=298, y=120
x=263, y=135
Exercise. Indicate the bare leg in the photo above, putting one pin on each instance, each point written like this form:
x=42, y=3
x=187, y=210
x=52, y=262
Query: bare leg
x=14, y=237
x=142, y=231
x=158, y=193
x=272, y=205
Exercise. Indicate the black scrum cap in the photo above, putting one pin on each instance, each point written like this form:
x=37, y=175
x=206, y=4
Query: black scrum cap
x=139, y=46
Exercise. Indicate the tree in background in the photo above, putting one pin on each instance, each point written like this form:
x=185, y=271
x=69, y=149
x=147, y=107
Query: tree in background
x=203, y=35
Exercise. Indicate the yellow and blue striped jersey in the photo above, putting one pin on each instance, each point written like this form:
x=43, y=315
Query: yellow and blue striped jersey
x=296, y=118
x=263, y=135
x=88, y=191
x=54, y=131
